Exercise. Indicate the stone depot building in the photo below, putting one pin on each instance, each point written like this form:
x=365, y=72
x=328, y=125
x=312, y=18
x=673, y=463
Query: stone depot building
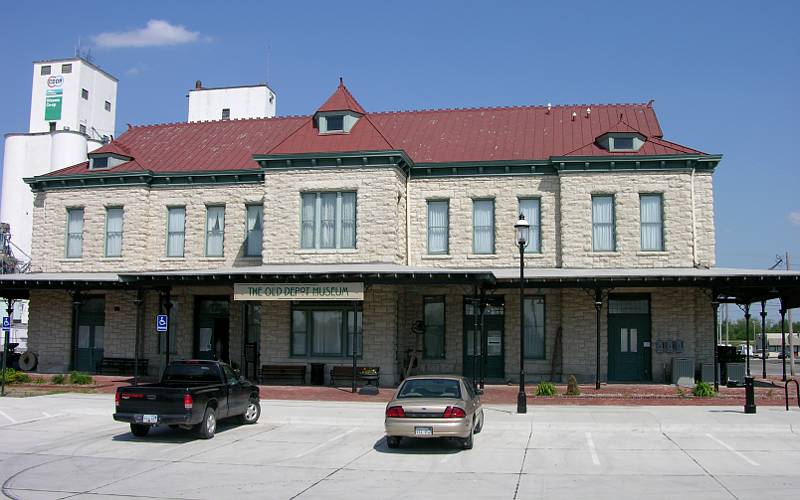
x=288, y=241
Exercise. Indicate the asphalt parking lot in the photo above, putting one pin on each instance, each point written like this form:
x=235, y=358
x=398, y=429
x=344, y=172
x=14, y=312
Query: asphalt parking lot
x=68, y=446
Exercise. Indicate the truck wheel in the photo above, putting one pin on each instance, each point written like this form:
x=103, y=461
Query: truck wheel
x=139, y=430
x=208, y=426
x=250, y=416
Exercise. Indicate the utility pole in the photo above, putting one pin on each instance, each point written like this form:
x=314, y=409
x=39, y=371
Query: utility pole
x=791, y=329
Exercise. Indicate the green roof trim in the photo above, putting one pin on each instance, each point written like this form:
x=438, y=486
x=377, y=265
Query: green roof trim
x=145, y=178
x=350, y=159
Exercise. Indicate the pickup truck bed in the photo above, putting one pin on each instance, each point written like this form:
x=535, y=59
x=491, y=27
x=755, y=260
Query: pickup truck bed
x=192, y=394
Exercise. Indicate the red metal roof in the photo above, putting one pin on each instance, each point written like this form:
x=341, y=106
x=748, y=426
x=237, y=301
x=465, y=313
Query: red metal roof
x=427, y=136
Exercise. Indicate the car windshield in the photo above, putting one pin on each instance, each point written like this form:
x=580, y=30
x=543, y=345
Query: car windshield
x=191, y=372
x=430, y=388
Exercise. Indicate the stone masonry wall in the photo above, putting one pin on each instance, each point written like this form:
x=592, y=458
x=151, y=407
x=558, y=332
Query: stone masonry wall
x=506, y=191
x=380, y=215
x=576, y=219
x=50, y=329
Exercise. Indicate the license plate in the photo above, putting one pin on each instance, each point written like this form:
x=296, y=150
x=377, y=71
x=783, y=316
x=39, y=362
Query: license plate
x=149, y=419
x=423, y=431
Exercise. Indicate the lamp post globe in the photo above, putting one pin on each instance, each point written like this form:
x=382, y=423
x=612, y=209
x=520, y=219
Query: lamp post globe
x=522, y=227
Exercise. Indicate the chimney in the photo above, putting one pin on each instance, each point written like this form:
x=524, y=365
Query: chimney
x=198, y=84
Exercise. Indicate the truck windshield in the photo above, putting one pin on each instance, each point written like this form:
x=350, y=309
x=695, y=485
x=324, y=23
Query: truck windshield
x=185, y=372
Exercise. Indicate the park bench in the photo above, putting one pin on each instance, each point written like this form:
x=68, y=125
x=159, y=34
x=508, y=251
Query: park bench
x=367, y=374
x=280, y=374
x=122, y=366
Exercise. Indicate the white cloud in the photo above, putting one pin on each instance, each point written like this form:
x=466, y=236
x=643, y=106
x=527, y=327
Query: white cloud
x=794, y=217
x=157, y=33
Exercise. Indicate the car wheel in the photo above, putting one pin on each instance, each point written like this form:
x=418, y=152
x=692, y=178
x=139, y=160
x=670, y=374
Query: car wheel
x=479, y=427
x=208, y=426
x=139, y=430
x=467, y=442
x=392, y=441
x=250, y=416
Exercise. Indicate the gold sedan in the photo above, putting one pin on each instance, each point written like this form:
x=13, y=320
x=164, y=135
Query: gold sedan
x=434, y=406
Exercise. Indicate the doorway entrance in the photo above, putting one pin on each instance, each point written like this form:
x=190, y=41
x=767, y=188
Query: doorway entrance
x=212, y=328
x=91, y=329
x=629, y=338
x=490, y=338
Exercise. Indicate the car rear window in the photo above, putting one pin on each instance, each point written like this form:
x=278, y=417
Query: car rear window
x=185, y=372
x=430, y=388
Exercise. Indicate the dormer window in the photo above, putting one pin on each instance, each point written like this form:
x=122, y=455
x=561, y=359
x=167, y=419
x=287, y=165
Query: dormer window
x=104, y=161
x=98, y=163
x=622, y=143
x=334, y=123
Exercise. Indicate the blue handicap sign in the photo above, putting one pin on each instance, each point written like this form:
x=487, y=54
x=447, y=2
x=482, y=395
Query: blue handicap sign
x=6, y=323
x=161, y=323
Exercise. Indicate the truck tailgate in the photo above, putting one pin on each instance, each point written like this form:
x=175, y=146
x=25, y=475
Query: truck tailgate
x=152, y=400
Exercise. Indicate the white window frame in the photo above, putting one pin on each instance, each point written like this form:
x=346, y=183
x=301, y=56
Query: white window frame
x=316, y=244
x=77, y=234
x=613, y=224
x=535, y=226
x=249, y=232
x=210, y=232
x=175, y=232
x=446, y=249
x=121, y=232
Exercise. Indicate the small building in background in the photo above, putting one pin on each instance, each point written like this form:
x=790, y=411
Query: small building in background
x=231, y=103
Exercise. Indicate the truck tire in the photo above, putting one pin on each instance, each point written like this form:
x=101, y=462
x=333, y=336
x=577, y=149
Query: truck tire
x=251, y=414
x=139, y=430
x=207, y=426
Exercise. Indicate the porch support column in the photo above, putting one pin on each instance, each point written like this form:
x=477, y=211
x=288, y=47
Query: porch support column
x=139, y=303
x=76, y=313
x=747, y=336
x=783, y=337
x=598, y=305
x=475, y=337
x=484, y=356
x=7, y=339
x=164, y=308
x=715, y=345
x=355, y=343
x=763, y=339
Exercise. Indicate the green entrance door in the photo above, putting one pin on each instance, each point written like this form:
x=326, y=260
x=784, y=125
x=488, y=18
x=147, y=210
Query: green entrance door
x=89, y=341
x=212, y=329
x=629, y=339
x=489, y=339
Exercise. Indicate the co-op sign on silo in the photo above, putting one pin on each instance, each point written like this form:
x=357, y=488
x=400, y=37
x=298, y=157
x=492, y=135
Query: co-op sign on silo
x=52, y=100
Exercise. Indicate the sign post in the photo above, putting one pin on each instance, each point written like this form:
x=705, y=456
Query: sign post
x=6, y=335
x=162, y=327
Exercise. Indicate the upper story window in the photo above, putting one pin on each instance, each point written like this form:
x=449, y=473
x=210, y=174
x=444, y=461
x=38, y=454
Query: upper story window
x=66, y=68
x=255, y=230
x=483, y=226
x=622, y=143
x=176, y=231
x=328, y=220
x=335, y=123
x=85, y=94
x=651, y=216
x=531, y=209
x=114, y=232
x=603, y=231
x=215, y=231
x=74, y=233
x=438, y=227
x=45, y=70
x=107, y=106
x=226, y=113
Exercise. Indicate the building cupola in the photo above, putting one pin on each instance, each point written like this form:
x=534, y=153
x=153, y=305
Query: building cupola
x=340, y=113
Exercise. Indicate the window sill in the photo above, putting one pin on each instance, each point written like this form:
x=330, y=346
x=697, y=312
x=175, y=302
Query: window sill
x=172, y=259
x=319, y=251
x=652, y=252
x=537, y=255
x=435, y=256
x=66, y=260
x=604, y=253
x=212, y=259
x=483, y=256
x=115, y=258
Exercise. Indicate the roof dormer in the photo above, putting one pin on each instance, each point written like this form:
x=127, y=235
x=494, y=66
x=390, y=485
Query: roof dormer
x=621, y=138
x=109, y=156
x=340, y=113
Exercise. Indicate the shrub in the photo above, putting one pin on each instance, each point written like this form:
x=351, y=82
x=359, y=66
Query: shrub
x=703, y=390
x=79, y=378
x=39, y=380
x=10, y=375
x=23, y=378
x=58, y=379
x=546, y=388
x=572, y=387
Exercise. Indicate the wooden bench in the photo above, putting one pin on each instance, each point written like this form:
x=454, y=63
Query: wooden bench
x=367, y=374
x=123, y=366
x=280, y=374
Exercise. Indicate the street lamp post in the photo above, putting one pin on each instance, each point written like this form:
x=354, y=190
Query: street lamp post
x=522, y=227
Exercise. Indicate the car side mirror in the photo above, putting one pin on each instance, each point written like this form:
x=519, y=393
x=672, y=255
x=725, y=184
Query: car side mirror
x=479, y=392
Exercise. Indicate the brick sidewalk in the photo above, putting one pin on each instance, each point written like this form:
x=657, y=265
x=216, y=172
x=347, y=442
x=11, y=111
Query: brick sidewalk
x=609, y=394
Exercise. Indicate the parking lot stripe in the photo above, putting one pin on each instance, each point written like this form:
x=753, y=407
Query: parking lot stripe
x=592, y=449
x=8, y=417
x=326, y=443
x=751, y=462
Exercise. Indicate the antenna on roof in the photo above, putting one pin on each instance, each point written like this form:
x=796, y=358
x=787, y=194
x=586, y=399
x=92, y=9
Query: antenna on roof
x=574, y=114
x=269, y=54
x=549, y=107
x=588, y=112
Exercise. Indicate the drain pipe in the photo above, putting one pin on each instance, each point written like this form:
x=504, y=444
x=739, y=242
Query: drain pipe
x=694, y=224
x=408, y=220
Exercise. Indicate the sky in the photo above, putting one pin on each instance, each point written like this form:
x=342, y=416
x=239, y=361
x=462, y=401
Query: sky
x=724, y=75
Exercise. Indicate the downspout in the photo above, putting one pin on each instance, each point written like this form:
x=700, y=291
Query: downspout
x=408, y=221
x=694, y=225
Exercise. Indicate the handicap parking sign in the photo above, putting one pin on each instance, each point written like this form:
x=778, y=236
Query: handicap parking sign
x=161, y=323
x=6, y=323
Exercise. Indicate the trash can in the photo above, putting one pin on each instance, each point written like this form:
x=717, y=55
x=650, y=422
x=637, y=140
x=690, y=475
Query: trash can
x=317, y=373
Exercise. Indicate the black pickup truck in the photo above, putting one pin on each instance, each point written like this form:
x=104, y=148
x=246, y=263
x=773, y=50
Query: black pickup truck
x=192, y=394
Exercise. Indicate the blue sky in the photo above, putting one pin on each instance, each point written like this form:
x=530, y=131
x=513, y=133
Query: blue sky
x=724, y=75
